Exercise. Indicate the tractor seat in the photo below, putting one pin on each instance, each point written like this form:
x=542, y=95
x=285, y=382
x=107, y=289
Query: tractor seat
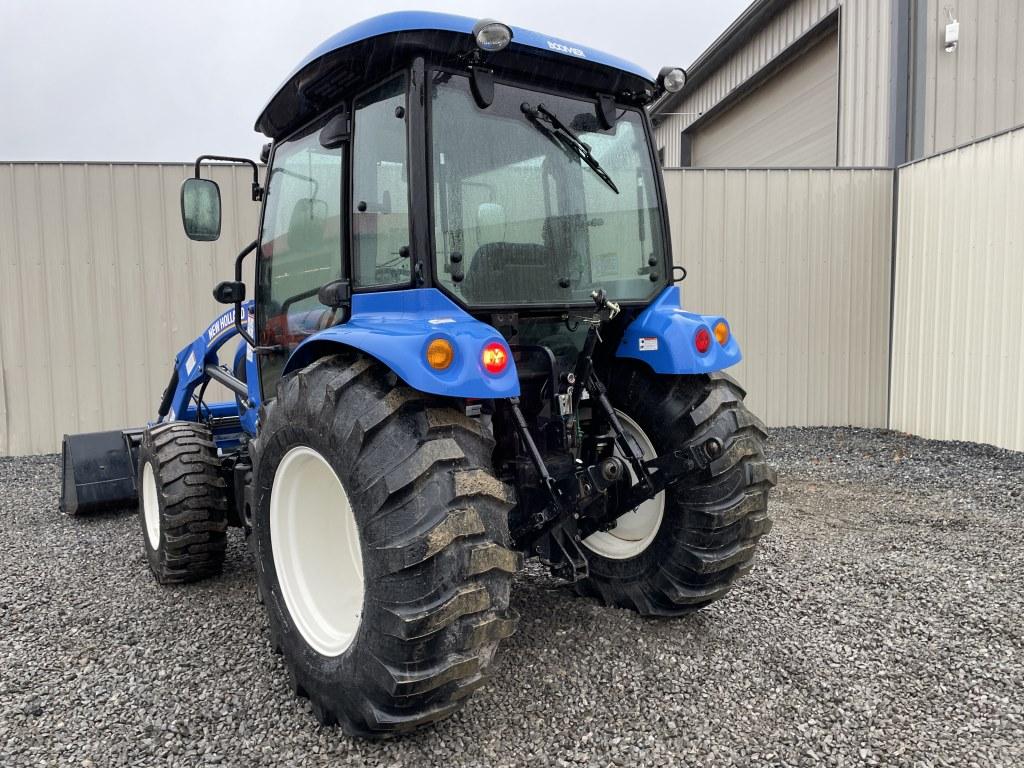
x=496, y=265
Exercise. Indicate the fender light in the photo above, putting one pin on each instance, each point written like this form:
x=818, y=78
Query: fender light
x=494, y=358
x=440, y=354
x=702, y=340
x=722, y=332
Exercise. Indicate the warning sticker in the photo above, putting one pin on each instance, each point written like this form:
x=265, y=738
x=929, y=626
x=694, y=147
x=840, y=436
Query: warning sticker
x=190, y=364
x=649, y=344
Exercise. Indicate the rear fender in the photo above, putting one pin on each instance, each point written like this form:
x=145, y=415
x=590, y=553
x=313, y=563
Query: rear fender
x=395, y=327
x=663, y=337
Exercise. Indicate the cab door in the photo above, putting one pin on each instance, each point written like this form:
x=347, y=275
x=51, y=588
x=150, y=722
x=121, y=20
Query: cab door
x=303, y=246
x=380, y=187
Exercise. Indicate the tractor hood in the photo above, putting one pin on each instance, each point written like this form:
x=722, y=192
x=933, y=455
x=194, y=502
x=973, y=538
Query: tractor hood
x=371, y=49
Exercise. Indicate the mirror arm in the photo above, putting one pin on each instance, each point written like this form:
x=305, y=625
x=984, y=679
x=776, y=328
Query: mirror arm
x=257, y=190
x=242, y=331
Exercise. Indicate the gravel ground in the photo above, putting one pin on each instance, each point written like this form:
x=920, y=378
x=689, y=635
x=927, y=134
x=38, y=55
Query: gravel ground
x=881, y=625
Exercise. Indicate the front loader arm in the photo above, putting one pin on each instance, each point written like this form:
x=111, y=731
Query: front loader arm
x=198, y=363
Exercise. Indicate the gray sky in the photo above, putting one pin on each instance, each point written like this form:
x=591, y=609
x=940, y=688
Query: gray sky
x=168, y=80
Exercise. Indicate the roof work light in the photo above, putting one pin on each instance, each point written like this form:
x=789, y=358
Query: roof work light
x=672, y=79
x=491, y=35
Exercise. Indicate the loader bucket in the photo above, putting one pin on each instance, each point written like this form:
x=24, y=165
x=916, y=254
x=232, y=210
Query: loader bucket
x=99, y=472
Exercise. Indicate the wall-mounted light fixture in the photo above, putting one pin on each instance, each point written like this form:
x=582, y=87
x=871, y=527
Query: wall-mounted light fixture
x=952, y=31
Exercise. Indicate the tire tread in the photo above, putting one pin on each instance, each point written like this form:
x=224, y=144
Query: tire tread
x=194, y=515
x=718, y=515
x=435, y=521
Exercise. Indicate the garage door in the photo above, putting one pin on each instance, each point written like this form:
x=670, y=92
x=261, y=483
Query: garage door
x=790, y=120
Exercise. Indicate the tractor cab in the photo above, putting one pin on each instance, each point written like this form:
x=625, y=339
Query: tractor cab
x=512, y=173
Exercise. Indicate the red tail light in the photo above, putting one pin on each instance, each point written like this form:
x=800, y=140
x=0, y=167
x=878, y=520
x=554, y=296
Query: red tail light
x=494, y=357
x=702, y=340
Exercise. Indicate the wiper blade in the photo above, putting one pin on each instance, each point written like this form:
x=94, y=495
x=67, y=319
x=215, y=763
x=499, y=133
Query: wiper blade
x=547, y=123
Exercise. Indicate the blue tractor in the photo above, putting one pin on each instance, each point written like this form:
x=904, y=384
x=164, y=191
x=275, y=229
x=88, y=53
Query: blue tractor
x=464, y=347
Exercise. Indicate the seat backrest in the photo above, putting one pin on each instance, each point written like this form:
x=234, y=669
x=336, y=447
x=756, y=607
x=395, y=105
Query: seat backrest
x=496, y=265
x=306, y=226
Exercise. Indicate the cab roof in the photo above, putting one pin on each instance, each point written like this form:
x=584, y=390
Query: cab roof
x=365, y=50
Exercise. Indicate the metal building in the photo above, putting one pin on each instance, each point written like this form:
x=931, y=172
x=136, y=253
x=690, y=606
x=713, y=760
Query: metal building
x=825, y=83
x=856, y=168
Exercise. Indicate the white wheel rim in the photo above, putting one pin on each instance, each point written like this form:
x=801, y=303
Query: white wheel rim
x=150, y=505
x=634, y=531
x=317, y=553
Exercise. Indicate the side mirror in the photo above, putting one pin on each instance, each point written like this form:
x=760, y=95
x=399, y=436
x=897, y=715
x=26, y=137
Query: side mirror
x=335, y=294
x=200, y=209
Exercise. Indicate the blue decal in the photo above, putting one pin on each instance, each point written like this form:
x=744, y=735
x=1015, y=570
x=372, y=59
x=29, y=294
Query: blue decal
x=664, y=336
x=397, y=326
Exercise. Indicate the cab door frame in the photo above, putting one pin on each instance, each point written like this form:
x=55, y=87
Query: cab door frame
x=259, y=366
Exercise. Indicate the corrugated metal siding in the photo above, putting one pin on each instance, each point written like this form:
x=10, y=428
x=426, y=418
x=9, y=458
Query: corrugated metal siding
x=799, y=261
x=101, y=289
x=865, y=76
x=958, y=354
x=978, y=89
x=780, y=33
x=790, y=121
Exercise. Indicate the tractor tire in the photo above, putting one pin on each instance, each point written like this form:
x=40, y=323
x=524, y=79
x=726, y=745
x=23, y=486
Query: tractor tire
x=381, y=542
x=182, y=502
x=702, y=532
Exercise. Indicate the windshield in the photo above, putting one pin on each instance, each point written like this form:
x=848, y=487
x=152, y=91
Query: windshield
x=525, y=214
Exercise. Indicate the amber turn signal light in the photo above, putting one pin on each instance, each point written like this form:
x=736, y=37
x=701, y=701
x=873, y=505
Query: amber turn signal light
x=722, y=332
x=440, y=354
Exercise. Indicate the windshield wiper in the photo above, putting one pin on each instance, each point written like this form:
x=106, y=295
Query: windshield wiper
x=546, y=122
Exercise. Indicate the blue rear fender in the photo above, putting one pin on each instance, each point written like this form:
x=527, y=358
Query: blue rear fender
x=663, y=336
x=396, y=327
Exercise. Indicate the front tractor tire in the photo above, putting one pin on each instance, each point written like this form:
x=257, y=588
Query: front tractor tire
x=686, y=547
x=381, y=543
x=182, y=502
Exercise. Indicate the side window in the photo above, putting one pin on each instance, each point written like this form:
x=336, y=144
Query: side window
x=300, y=246
x=621, y=238
x=380, y=187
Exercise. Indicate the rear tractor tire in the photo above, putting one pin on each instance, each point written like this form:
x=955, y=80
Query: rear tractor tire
x=686, y=547
x=381, y=543
x=182, y=502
